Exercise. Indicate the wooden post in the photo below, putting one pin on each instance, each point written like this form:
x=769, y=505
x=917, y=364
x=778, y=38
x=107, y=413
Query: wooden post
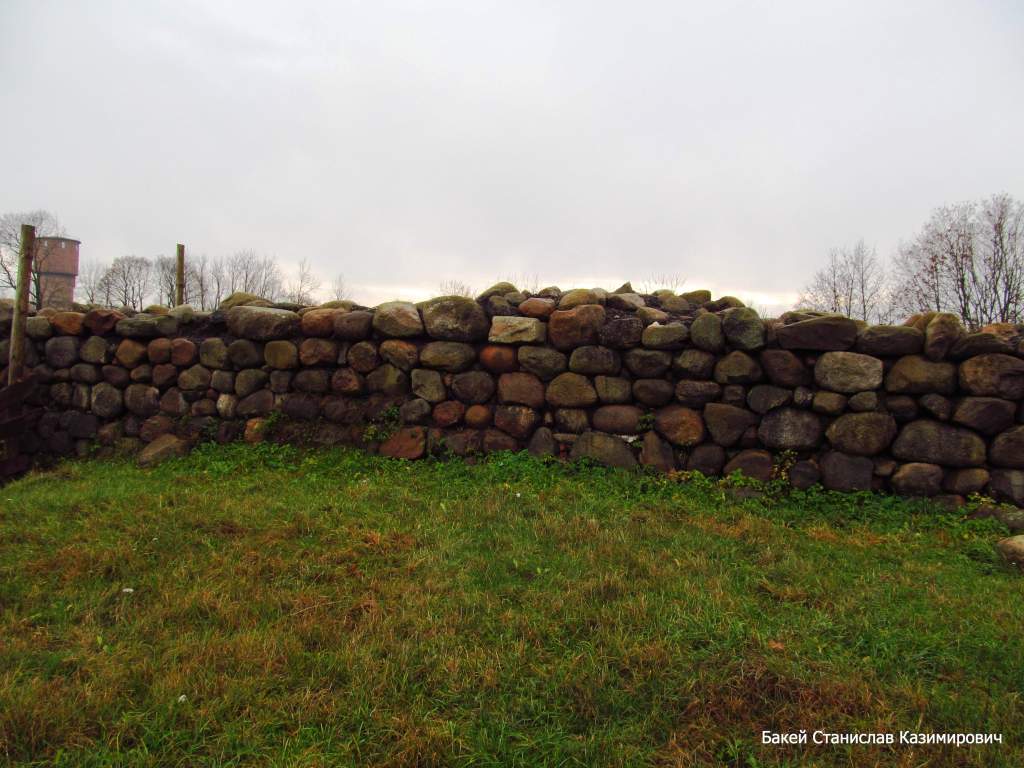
x=179, y=279
x=16, y=362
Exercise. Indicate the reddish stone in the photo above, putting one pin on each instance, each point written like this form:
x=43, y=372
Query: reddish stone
x=517, y=420
x=67, y=323
x=753, y=463
x=130, y=353
x=522, y=388
x=448, y=413
x=319, y=322
x=537, y=307
x=164, y=375
x=407, y=443
x=348, y=382
x=101, y=321
x=318, y=351
x=159, y=351
x=499, y=359
x=680, y=425
x=478, y=416
x=575, y=327
x=495, y=440
x=183, y=352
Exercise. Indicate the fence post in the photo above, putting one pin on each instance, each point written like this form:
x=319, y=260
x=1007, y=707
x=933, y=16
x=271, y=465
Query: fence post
x=16, y=362
x=179, y=278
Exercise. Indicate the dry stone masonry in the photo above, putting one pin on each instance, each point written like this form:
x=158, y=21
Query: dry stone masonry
x=674, y=382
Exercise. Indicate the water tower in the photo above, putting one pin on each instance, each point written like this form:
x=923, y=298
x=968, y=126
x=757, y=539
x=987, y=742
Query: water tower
x=57, y=263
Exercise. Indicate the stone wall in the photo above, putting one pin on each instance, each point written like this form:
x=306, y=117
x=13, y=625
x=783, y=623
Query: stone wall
x=665, y=380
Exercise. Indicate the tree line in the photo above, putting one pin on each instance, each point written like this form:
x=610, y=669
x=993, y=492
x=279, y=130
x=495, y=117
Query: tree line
x=137, y=281
x=967, y=259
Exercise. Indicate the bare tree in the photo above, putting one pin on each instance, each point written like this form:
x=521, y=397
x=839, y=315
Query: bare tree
x=249, y=272
x=89, y=285
x=852, y=283
x=667, y=281
x=455, y=288
x=165, y=279
x=129, y=281
x=47, y=225
x=967, y=259
x=300, y=291
x=339, y=290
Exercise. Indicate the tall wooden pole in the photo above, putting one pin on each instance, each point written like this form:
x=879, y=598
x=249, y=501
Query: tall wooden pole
x=16, y=362
x=179, y=279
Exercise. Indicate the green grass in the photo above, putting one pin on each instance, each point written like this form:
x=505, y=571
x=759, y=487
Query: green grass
x=332, y=608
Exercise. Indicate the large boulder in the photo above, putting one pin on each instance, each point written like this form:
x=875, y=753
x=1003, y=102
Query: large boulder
x=696, y=394
x=353, y=326
x=454, y=318
x=790, y=429
x=101, y=321
x=165, y=447
x=822, y=334
x=848, y=372
x=521, y=388
x=571, y=390
x=605, y=449
x=398, y=319
x=238, y=299
x=679, y=425
x=917, y=375
x=743, y=328
x=407, y=443
x=737, y=368
x=67, y=323
x=694, y=364
x=519, y=421
x=993, y=375
x=62, y=351
x=941, y=333
x=671, y=336
x=262, y=323
x=319, y=322
x=451, y=356
x=988, y=415
x=1012, y=550
x=981, y=343
x=618, y=419
x=1008, y=448
x=545, y=363
x=934, y=442
x=862, y=434
x=841, y=472
x=1007, y=485
x=917, y=479
x=727, y=423
x=647, y=363
x=575, y=327
x=707, y=334
x=473, y=387
x=621, y=333
x=753, y=463
x=427, y=385
x=593, y=361
x=766, y=397
x=657, y=453
x=784, y=368
x=142, y=400
x=509, y=329
x=890, y=340
x=107, y=401
x=147, y=326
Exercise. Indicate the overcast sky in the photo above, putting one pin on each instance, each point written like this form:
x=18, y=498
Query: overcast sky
x=584, y=143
